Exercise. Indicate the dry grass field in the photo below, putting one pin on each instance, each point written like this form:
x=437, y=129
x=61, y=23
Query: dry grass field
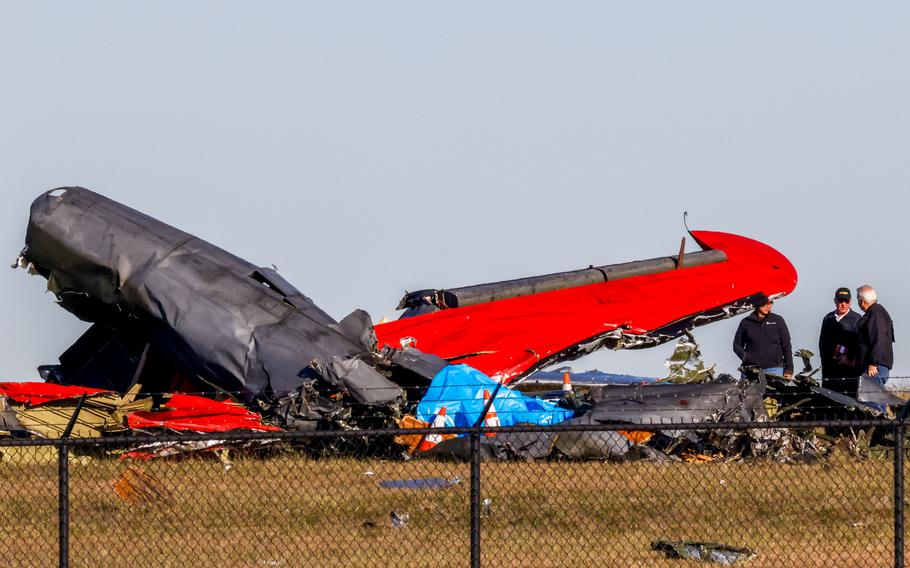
x=298, y=511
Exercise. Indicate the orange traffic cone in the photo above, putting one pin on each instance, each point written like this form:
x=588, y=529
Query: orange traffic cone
x=566, y=381
x=430, y=440
x=491, y=419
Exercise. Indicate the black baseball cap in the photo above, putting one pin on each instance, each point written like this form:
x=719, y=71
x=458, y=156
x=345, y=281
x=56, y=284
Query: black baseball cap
x=760, y=300
x=842, y=294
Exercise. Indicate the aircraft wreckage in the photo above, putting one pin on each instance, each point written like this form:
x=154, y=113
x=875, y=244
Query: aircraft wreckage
x=172, y=313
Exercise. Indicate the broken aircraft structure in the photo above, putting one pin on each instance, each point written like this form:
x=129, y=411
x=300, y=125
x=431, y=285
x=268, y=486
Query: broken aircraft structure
x=173, y=313
x=510, y=329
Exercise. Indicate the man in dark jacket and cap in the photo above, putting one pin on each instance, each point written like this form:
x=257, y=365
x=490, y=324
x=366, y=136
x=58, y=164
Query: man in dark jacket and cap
x=762, y=340
x=838, y=342
x=876, y=336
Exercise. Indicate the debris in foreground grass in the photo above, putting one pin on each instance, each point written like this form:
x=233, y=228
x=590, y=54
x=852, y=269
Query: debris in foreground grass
x=832, y=513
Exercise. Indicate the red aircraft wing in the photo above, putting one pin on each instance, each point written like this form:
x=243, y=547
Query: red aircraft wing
x=512, y=337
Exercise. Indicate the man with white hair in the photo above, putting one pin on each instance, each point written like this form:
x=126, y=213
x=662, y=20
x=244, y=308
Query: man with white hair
x=876, y=334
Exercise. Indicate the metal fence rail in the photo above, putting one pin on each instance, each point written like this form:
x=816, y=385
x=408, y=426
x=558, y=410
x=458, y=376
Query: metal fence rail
x=353, y=498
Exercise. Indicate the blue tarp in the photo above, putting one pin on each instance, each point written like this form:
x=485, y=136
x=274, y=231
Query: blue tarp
x=459, y=388
x=421, y=483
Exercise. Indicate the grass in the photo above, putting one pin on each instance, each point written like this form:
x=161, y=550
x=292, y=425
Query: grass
x=296, y=511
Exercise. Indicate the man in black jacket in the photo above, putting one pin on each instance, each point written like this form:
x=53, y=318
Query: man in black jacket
x=876, y=334
x=838, y=342
x=762, y=340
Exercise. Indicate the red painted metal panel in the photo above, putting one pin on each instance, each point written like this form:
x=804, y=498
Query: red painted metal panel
x=191, y=413
x=508, y=338
x=33, y=394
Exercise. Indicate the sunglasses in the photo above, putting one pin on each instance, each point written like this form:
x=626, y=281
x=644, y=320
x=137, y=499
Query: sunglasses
x=841, y=301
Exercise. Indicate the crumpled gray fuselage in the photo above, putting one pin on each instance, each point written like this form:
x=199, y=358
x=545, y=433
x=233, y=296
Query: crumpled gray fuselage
x=241, y=327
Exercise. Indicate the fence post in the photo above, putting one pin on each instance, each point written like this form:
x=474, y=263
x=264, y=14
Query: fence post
x=475, y=496
x=63, y=505
x=475, y=479
x=899, y=492
x=63, y=489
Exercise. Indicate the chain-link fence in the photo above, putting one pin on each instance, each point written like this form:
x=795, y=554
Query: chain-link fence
x=354, y=498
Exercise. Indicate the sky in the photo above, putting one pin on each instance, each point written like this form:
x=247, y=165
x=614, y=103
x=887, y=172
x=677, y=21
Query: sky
x=370, y=148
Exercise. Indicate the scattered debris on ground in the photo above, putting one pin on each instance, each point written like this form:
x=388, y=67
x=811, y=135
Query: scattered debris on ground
x=421, y=483
x=138, y=487
x=709, y=552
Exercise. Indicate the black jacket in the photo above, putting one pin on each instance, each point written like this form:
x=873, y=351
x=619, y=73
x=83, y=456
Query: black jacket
x=764, y=343
x=876, y=334
x=840, y=338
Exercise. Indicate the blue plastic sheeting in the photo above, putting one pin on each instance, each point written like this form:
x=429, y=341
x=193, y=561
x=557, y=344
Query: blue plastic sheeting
x=459, y=388
x=422, y=483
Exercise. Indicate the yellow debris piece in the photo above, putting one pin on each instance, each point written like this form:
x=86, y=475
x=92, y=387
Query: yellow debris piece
x=102, y=412
x=693, y=457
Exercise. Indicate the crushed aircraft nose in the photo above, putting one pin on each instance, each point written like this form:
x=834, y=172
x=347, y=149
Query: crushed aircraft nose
x=170, y=309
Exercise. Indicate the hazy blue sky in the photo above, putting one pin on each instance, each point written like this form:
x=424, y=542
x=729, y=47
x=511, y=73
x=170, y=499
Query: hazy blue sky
x=369, y=148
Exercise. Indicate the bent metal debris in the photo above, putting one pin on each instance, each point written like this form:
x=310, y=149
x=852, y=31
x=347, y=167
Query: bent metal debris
x=175, y=318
